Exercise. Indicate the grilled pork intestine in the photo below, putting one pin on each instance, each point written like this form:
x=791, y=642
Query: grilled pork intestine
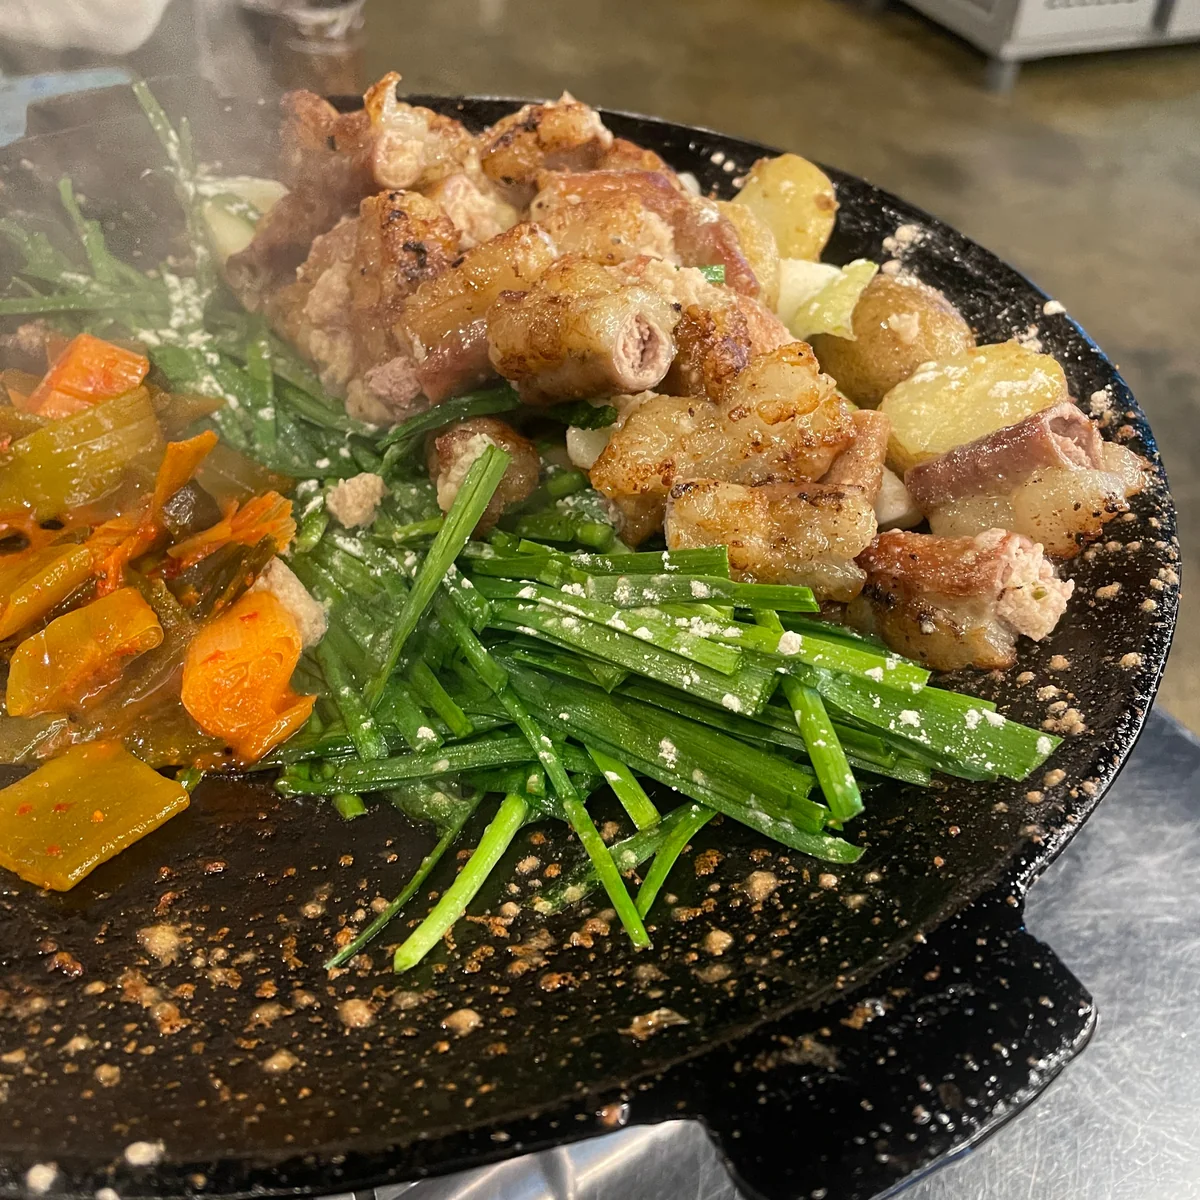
x=511, y=262
x=624, y=155
x=449, y=457
x=561, y=135
x=952, y=602
x=609, y=228
x=718, y=339
x=719, y=330
x=582, y=330
x=475, y=206
x=403, y=240
x=861, y=463
x=413, y=147
x=340, y=310
x=331, y=161
x=700, y=234
x=1049, y=476
x=313, y=312
x=781, y=419
x=798, y=533
x=443, y=326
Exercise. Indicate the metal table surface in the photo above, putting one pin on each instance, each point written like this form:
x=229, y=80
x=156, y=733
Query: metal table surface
x=1121, y=908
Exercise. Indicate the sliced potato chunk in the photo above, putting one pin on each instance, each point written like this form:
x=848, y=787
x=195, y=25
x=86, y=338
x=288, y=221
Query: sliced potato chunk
x=797, y=201
x=899, y=323
x=959, y=399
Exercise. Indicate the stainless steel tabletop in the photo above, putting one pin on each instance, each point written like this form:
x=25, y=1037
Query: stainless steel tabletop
x=1121, y=907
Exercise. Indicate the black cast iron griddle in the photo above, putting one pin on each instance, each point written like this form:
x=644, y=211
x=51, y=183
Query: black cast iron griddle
x=231, y=1063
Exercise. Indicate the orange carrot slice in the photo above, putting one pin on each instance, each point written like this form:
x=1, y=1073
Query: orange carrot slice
x=88, y=370
x=237, y=676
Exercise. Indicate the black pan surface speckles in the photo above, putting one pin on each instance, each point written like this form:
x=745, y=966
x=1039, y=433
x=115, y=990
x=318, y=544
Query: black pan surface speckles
x=218, y=1035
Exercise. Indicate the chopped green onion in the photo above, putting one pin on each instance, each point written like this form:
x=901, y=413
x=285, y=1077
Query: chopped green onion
x=389, y=772
x=668, y=854
x=454, y=900
x=349, y=806
x=428, y=687
x=626, y=788
x=637, y=591
x=746, y=690
x=473, y=497
x=820, y=738
x=405, y=437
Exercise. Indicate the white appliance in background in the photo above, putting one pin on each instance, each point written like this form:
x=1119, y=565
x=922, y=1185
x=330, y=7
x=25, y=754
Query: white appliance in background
x=1011, y=32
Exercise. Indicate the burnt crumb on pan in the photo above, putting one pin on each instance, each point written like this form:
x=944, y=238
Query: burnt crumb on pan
x=646, y=1025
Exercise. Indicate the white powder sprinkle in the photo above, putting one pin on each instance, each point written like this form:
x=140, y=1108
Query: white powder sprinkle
x=700, y=590
x=667, y=752
x=642, y=632
x=994, y=719
x=789, y=643
x=1044, y=745
x=39, y=1179
x=573, y=589
x=564, y=716
x=875, y=673
x=143, y=1154
x=1053, y=308
x=527, y=593
x=972, y=717
x=442, y=764
x=910, y=716
x=731, y=702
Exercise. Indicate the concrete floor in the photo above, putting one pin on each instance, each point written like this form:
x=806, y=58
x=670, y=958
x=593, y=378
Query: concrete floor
x=1087, y=177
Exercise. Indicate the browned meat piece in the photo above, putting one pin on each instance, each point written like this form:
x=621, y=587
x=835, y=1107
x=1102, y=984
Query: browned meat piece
x=861, y=463
x=404, y=239
x=608, y=229
x=413, y=147
x=386, y=393
x=280, y=243
x=511, y=262
x=324, y=161
x=314, y=313
x=955, y=602
x=702, y=235
x=332, y=161
x=475, y=206
x=341, y=308
x=717, y=339
x=781, y=420
x=450, y=455
x=799, y=533
x=1050, y=476
x=624, y=155
x=1055, y=437
x=456, y=364
x=562, y=135
x=582, y=330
